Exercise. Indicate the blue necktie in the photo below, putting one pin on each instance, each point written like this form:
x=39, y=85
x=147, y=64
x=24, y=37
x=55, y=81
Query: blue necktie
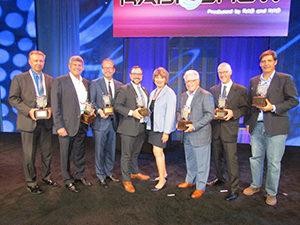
x=39, y=84
x=224, y=92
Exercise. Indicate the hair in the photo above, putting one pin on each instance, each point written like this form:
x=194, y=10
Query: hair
x=135, y=67
x=160, y=71
x=37, y=52
x=268, y=52
x=226, y=65
x=107, y=60
x=76, y=58
x=193, y=73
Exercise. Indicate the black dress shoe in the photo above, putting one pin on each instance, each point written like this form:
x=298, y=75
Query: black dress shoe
x=113, y=179
x=83, y=181
x=216, y=182
x=50, y=182
x=35, y=190
x=71, y=187
x=103, y=183
x=232, y=196
x=157, y=179
x=157, y=189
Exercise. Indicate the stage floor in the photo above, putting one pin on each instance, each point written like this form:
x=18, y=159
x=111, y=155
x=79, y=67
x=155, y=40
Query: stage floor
x=96, y=205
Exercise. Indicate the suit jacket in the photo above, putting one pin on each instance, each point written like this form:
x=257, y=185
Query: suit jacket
x=283, y=94
x=202, y=112
x=97, y=90
x=164, y=111
x=22, y=96
x=65, y=105
x=126, y=101
x=237, y=101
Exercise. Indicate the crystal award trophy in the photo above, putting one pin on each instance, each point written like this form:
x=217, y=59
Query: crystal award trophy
x=143, y=111
x=220, y=112
x=108, y=108
x=41, y=113
x=260, y=99
x=88, y=115
x=184, y=118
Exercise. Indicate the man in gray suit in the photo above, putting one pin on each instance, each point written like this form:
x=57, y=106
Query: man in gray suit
x=197, y=137
x=69, y=95
x=131, y=127
x=24, y=90
x=104, y=127
x=269, y=124
x=225, y=130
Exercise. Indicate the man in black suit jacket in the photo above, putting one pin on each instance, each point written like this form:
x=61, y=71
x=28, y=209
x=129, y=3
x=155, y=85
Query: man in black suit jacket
x=69, y=95
x=131, y=127
x=269, y=124
x=104, y=126
x=225, y=131
x=24, y=90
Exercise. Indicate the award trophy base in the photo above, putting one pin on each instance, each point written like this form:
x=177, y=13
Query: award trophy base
x=87, y=118
x=41, y=114
x=220, y=114
x=144, y=112
x=182, y=124
x=109, y=110
x=259, y=101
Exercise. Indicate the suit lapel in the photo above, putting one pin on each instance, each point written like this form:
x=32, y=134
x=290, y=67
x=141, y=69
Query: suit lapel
x=103, y=86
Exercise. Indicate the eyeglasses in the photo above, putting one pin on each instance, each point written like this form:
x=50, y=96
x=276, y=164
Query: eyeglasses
x=108, y=68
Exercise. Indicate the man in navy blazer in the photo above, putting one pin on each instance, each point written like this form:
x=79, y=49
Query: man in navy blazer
x=105, y=125
x=225, y=130
x=35, y=133
x=69, y=95
x=132, y=127
x=197, y=137
x=269, y=125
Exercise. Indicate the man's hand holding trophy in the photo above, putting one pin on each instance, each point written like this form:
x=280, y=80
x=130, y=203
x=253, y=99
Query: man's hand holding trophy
x=88, y=115
x=259, y=100
x=184, y=123
x=142, y=108
x=221, y=111
x=41, y=112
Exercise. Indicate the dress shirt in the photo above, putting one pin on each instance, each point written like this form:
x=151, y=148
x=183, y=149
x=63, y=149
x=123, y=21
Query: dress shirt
x=266, y=83
x=80, y=91
x=112, y=86
x=228, y=86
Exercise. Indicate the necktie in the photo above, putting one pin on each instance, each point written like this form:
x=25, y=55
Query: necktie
x=224, y=94
x=39, y=84
x=110, y=90
x=141, y=94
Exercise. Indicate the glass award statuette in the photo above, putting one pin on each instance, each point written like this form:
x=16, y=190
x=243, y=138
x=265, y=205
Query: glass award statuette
x=88, y=115
x=41, y=113
x=108, y=108
x=143, y=110
x=220, y=112
x=182, y=123
x=260, y=100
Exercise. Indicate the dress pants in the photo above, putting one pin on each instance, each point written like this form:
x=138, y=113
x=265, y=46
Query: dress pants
x=197, y=164
x=41, y=137
x=130, y=149
x=105, y=148
x=73, y=148
x=225, y=153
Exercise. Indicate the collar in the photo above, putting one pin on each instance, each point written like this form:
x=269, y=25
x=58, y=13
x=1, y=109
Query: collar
x=75, y=78
x=269, y=79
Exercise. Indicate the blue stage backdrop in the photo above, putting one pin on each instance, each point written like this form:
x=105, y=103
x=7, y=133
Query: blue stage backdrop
x=84, y=27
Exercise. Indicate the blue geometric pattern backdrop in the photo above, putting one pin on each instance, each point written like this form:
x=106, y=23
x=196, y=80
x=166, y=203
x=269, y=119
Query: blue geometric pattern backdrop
x=17, y=38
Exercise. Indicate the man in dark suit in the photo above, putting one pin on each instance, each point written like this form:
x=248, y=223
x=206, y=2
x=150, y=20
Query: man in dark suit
x=269, y=124
x=104, y=127
x=199, y=105
x=69, y=95
x=225, y=129
x=131, y=127
x=25, y=89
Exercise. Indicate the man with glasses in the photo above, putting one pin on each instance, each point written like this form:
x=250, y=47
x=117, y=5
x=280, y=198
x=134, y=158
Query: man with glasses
x=129, y=102
x=103, y=92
